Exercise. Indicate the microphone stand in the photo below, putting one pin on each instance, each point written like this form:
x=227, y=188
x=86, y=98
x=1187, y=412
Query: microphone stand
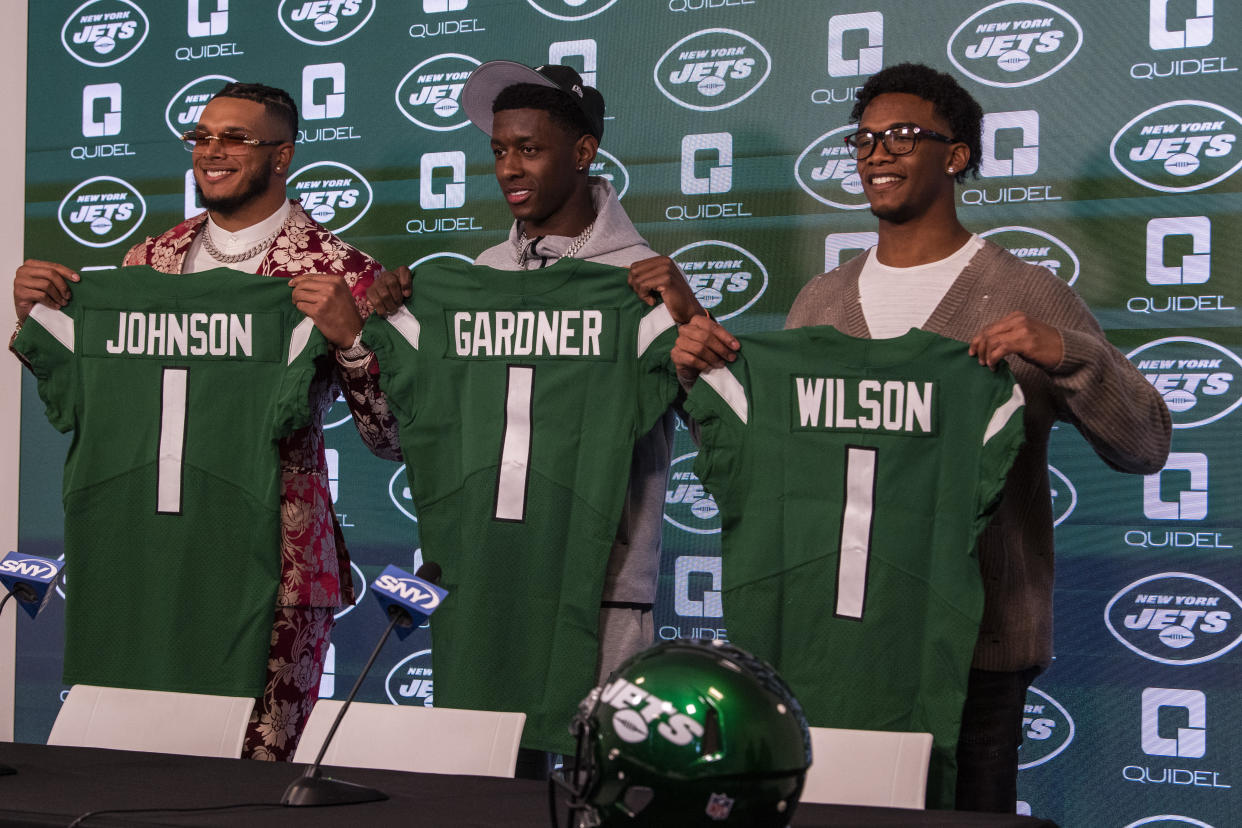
x=311, y=789
x=9, y=770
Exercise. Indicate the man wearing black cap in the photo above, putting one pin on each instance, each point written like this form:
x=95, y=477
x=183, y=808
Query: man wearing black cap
x=545, y=126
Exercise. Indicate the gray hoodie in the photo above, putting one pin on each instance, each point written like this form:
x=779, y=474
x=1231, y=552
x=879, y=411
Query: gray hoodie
x=634, y=563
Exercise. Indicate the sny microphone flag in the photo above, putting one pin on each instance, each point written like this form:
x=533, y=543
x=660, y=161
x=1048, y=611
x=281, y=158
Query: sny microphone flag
x=399, y=591
x=30, y=579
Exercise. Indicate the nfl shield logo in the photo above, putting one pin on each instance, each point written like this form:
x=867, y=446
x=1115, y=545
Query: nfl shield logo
x=719, y=806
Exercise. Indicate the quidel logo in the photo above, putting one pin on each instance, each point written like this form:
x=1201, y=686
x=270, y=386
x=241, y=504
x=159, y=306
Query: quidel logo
x=686, y=504
x=104, y=32
x=828, y=174
x=409, y=681
x=430, y=93
x=571, y=9
x=1037, y=248
x=1195, y=377
x=101, y=211
x=1047, y=729
x=1064, y=496
x=334, y=194
x=186, y=105
x=1176, y=618
x=324, y=22
x=725, y=278
x=1015, y=43
x=712, y=69
x=608, y=167
x=1179, y=147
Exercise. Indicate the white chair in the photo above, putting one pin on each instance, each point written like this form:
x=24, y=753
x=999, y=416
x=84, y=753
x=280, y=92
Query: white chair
x=868, y=767
x=152, y=720
x=420, y=739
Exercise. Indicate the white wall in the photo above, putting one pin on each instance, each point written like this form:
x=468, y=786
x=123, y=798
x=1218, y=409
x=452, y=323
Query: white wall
x=12, y=198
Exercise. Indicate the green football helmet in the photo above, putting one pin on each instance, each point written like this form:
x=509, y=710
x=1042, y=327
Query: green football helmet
x=689, y=733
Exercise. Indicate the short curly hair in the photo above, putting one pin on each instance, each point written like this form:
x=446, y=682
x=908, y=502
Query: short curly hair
x=951, y=102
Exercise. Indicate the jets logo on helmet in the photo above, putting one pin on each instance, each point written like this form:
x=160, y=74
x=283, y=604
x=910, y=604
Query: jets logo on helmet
x=689, y=733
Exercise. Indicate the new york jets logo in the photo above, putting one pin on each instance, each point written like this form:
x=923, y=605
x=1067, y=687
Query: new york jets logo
x=1176, y=618
x=1037, y=248
x=1179, y=147
x=712, y=69
x=399, y=493
x=726, y=279
x=430, y=93
x=1168, y=821
x=609, y=167
x=1015, y=43
x=1196, y=377
x=104, y=32
x=324, y=22
x=186, y=105
x=571, y=9
x=1047, y=729
x=1064, y=496
x=409, y=681
x=827, y=174
x=687, y=505
x=334, y=194
x=101, y=211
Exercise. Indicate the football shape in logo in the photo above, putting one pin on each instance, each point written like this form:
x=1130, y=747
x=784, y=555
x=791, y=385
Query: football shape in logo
x=430, y=93
x=101, y=211
x=1176, y=618
x=1015, y=43
x=409, y=682
x=828, y=174
x=324, y=22
x=686, y=504
x=726, y=279
x=1196, y=377
x=333, y=194
x=1179, y=147
x=712, y=69
x=104, y=32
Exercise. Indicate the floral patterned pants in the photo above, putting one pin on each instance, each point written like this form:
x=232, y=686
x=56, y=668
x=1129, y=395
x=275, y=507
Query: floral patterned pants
x=300, y=638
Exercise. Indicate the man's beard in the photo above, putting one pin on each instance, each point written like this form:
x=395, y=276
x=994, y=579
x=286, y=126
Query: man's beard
x=895, y=215
x=253, y=186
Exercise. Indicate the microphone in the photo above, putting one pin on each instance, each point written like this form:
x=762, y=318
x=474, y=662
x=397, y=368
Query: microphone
x=30, y=580
x=408, y=600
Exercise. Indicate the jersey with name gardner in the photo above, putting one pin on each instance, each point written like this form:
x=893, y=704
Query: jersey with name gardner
x=853, y=478
x=520, y=396
x=177, y=388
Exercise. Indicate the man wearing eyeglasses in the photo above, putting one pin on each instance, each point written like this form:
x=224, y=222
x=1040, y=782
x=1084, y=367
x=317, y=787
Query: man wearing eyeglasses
x=240, y=152
x=919, y=133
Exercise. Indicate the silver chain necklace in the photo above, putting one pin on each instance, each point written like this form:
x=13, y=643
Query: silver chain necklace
x=234, y=258
x=523, y=243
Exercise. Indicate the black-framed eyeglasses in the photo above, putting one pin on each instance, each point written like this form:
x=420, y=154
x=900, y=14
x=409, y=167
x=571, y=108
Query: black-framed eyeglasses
x=229, y=141
x=900, y=139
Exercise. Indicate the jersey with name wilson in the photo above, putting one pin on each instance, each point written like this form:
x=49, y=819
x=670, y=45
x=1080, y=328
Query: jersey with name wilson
x=177, y=388
x=853, y=478
x=519, y=396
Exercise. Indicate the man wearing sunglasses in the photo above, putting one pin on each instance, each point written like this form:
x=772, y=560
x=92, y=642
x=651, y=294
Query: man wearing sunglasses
x=240, y=152
x=919, y=134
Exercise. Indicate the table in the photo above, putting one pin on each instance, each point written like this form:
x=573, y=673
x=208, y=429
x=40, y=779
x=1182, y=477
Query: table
x=54, y=785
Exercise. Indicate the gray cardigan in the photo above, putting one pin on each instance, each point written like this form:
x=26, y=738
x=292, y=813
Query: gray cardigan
x=1094, y=387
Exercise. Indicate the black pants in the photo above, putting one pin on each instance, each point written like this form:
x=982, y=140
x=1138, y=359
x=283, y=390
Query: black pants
x=987, y=749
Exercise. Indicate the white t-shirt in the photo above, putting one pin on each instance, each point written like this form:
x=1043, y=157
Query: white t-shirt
x=896, y=299
x=198, y=259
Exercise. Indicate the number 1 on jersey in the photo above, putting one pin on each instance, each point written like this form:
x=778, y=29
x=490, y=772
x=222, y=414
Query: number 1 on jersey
x=515, y=445
x=173, y=394
x=855, y=541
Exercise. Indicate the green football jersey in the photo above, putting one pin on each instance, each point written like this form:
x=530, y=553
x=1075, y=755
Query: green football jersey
x=519, y=397
x=177, y=389
x=853, y=477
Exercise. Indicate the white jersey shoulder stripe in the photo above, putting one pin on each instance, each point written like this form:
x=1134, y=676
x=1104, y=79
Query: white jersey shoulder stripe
x=1001, y=415
x=657, y=321
x=58, y=323
x=406, y=324
x=299, y=338
x=729, y=389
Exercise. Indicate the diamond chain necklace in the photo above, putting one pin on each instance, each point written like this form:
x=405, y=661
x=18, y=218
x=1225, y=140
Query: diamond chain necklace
x=523, y=243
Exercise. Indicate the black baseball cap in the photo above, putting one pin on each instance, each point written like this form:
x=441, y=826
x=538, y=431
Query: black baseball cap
x=493, y=77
